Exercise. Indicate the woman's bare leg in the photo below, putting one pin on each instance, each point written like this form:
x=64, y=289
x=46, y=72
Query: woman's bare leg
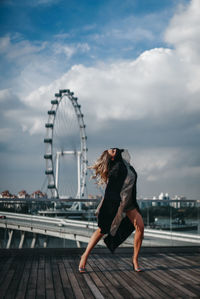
x=137, y=221
x=96, y=236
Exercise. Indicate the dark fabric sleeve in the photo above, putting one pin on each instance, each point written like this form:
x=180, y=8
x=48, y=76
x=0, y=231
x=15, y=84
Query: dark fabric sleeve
x=125, y=229
x=114, y=170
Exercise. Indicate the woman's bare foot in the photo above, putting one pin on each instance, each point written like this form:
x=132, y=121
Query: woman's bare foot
x=82, y=263
x=136, y=266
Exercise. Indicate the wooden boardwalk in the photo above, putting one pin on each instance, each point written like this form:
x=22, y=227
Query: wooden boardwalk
x=52, y=273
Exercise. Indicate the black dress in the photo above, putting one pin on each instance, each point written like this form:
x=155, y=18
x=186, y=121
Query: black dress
x=120, y=196
x=116, y=176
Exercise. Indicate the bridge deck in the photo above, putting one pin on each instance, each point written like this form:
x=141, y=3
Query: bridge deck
x=52, y=273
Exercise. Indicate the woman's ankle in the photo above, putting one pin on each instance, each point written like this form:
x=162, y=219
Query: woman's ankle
x=83, y=261
x=135, y=260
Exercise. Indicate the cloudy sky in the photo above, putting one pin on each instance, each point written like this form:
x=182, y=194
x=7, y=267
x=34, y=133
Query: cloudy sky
x=134, y=66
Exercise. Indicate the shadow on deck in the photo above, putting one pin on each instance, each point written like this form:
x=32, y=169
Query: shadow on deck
x=52, y=273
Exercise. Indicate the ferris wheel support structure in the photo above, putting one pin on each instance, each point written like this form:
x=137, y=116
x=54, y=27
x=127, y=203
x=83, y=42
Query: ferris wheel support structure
x=78, y=154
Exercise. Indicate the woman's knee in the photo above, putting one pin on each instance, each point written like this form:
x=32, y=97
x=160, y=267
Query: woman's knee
x=142, y=230
x=99, y=231
x=139, y=229
x=139, y=225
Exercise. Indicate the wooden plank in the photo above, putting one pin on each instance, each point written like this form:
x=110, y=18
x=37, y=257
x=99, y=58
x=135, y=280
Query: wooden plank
x=107, y=269
x=138, y=281
x=59, y=293
x=162, y=283
x=6, y=264
x=21, y=293
x=102, y=273
x=117, y=274
x=194, y=289
x=167, y=280
x=40, y=292
x=182, y=267
x=171, y=280
x=192, y=264
x=3, y=261
x=32, y=283
x=7, y=281
x=109, y=276
x=67, y=289
x=96, y=276
x=171, y=258
x=186, y=265
x=97, y=294
x=148, y=287
x=179, y=284
x=96, y=280
x=80, y=277
x=49, y=279
x=73, y=280
x=150, y=270
x=18, y=264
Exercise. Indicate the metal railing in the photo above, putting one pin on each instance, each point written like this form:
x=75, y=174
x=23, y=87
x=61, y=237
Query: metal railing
x=167, y=222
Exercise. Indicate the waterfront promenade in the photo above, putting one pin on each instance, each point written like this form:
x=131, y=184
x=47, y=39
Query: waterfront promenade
x=170, y=272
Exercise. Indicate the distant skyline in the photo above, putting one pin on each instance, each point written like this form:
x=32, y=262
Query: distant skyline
x=135, y=67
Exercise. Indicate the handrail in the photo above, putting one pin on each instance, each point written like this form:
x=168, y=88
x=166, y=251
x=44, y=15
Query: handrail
x=48, y=200
x=92, y=225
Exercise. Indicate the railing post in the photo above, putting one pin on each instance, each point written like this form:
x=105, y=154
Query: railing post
x=33, y=241
x=10, y=233
x=198, y=217
x=22, y=239
x=78, y=244
x=147, y=216
x=45, y=243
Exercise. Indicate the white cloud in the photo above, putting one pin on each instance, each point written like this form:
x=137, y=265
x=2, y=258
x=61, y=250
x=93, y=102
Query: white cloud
x=155, y=84
x=65, y=49
x=4, y=44
x=160, y=163
x=14, y=49
x=31, y=120
x=184, y=34
x=71, y=49
x=6, y=134
x=38, y=63
x=183, y=31
x=160, y=84
x=134, y=34
x=24, y=52
x=4, y=94
x=131, y=31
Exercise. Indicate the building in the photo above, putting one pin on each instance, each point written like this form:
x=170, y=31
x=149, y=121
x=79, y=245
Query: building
x=6, y=194
x=38, y=194
x=23, y=194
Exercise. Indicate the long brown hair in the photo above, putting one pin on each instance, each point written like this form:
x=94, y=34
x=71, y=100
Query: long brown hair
x=100, y=168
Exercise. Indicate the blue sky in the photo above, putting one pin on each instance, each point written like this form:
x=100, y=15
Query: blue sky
x=42, y=19
x=133, y=64
x=108, y=29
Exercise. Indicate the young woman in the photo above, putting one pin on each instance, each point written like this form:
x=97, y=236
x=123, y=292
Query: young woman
x=118, y=212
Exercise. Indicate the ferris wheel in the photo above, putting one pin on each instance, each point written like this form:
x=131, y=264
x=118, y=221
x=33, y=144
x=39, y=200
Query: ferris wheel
x=66, y=147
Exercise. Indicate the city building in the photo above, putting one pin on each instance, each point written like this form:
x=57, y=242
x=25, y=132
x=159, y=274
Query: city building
x=23, y=194
x=6, y=194
x=38, y=194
